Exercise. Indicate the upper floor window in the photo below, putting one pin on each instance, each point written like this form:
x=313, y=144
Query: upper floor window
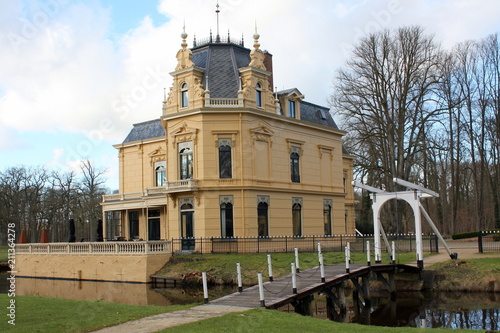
x=184, y=95
x=186, y=160
x=160, y=173
x=294, y=167
x=225, y=167
x=258, y=95
x=291, y=109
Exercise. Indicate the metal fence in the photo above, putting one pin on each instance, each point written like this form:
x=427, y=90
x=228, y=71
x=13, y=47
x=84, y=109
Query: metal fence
x=488, y=241
x=287, y=244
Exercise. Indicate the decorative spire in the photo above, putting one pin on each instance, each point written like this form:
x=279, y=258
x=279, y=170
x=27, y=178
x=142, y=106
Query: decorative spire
x=217, y=11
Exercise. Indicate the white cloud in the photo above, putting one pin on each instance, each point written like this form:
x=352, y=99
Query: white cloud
x=71, y=73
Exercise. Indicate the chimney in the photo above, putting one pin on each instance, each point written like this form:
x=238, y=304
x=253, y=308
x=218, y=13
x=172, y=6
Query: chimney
x=268, y=62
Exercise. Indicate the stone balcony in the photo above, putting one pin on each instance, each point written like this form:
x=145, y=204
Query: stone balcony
x=174, y=186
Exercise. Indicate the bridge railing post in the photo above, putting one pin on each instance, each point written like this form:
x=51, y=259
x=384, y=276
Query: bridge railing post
x=270, y=267
x=346, y=260
x=261, y=290
x=240, y=282
x=205, y=287
x=368, y=259
x=321, y=267
x=297, y=264
x=294, y=278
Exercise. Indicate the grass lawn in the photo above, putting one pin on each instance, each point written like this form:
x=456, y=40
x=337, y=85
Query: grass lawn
x=52, y=315
x=469, y=275
x=221, y=268
x=3, y=253
x=259, y=320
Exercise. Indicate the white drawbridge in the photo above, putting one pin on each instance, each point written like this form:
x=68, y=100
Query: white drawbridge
x=412, y=197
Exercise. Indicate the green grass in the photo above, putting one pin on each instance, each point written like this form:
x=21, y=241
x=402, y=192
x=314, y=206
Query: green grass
x=469, y=275
x=259, y=320
x=52, y=315
x=3, y=253
x=221, y=268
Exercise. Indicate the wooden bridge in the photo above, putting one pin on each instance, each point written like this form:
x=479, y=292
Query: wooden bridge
x=280, y=292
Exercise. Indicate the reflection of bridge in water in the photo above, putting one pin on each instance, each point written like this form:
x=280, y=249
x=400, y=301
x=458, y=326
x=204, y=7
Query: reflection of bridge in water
x=280, y=292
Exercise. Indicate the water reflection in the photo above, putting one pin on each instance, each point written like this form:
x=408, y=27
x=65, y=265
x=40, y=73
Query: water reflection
x=478, y=311
x=126, y=293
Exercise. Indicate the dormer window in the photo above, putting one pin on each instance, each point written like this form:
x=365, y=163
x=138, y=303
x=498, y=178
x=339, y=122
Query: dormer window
x=184, y=95
x=258, y=95
x=291, y=109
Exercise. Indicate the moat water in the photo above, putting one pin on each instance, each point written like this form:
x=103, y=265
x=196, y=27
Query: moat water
x=478, y=311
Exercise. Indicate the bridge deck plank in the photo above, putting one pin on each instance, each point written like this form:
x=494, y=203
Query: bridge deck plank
x=279, y=292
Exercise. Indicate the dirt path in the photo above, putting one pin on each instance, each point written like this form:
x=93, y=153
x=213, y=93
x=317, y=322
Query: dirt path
x=465, y=250
x=159, y=322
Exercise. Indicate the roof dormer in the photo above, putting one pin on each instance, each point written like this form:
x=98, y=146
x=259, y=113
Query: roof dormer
x=290, y=102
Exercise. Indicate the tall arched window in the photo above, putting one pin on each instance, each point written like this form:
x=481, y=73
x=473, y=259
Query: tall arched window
x=327, y=218
x=297, y=219
x=294, y=167
x=262, y=219
x=258, y=95
x=186, y=163
x=226, y=220
x=160, y=173
x=184, y=95
x=225, y=168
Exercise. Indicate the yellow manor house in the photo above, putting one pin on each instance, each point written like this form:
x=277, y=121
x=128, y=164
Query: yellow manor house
x=230, y=157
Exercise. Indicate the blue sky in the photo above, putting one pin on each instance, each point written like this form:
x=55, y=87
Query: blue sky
x=75, y=75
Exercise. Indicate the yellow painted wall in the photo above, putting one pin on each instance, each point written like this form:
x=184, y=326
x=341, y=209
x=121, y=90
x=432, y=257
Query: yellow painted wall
x=130, y=268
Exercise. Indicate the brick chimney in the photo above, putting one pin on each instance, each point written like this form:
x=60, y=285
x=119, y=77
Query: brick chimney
x=268, y=62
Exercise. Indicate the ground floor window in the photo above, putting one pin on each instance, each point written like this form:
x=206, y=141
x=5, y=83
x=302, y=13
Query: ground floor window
x=154, y=224
x=113, y=224
x=226, y=216
x=297, y=219
x=327, y=216
x=187, y=223
x=133, y=223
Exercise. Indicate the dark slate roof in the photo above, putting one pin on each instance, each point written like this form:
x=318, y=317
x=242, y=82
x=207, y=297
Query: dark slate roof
x=221, y=62
x=316, y=114
x=146, y=130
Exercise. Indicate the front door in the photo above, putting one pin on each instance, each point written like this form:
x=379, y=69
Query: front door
x=187, y=230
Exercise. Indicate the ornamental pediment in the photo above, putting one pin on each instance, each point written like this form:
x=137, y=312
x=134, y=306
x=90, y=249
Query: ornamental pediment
x=262, y=133
x=183, y=133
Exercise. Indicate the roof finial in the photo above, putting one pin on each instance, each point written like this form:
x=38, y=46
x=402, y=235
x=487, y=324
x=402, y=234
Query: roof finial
x=184, y=36
x=256, y=37
x=217, y=11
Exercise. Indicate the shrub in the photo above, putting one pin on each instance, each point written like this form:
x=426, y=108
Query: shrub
x=465, y=235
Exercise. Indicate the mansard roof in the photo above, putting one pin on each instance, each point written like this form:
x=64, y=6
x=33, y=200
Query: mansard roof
x=145, y=130
x=317, y=114
x=221, y=62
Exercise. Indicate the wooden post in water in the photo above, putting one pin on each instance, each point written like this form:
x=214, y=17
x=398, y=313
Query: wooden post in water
x=240, y=283
x=205, y=287
x=270, y=267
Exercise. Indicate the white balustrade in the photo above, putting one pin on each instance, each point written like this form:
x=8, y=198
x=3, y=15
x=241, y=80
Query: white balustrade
x=147, y=247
